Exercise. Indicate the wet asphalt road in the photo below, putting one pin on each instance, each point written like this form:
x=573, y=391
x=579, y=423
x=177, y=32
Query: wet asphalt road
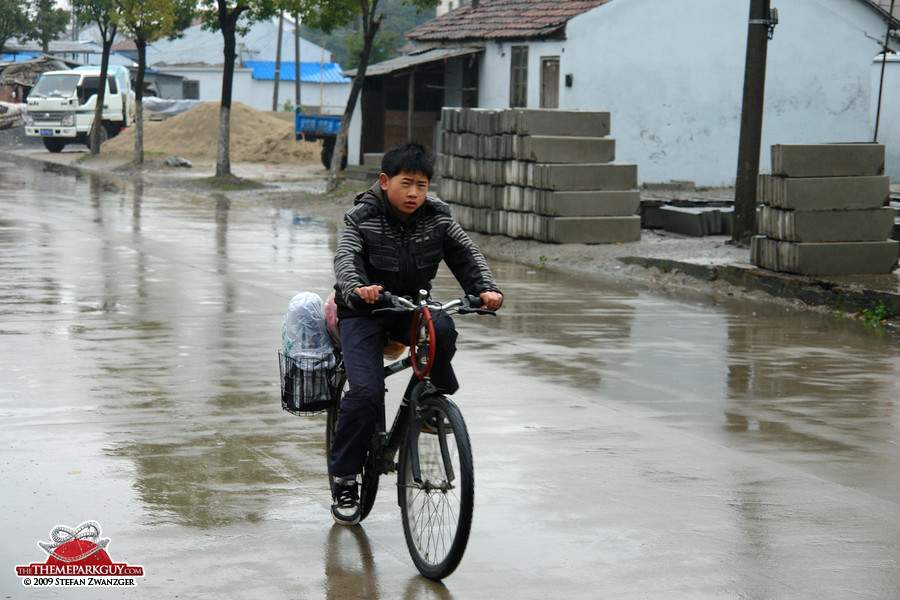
x=627, y=444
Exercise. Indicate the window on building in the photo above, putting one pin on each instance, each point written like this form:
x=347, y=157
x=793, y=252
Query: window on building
x=190, y=89
x=518, y=81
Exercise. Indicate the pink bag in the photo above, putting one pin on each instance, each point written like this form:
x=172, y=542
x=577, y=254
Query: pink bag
x=331, y=321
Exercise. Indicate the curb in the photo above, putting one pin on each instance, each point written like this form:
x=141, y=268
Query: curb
x=810, y=290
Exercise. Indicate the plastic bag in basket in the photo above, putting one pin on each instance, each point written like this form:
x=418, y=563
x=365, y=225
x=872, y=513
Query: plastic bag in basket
x=303, y=330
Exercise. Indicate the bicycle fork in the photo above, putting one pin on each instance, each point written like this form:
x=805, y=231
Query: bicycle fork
x=440, y=432
x=405, y=423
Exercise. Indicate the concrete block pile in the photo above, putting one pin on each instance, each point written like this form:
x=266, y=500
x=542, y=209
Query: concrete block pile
x=697, y=221
x=539, y=174
x=824, y=211
x=367, y=173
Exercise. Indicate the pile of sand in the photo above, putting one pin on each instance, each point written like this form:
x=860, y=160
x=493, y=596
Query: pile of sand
x=255, y=137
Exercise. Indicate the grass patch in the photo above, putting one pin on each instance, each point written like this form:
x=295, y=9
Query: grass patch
x=875, y=315
x=230, y=183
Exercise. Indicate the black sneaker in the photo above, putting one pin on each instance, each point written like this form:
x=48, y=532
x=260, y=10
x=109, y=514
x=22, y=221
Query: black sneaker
x=345, y=508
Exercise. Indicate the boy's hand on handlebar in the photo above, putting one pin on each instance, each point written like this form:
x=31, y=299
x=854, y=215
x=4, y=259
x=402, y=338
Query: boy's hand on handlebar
x=368, y=293
x=492, y=300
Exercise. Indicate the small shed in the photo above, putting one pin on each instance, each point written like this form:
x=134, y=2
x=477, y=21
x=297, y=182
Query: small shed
x=402, y=97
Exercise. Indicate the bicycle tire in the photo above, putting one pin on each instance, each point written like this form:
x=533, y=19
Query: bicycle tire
x=422, y=321
x=368, y=485
x=437, y=513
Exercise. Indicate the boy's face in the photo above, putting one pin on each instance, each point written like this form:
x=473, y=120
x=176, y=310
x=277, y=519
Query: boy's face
x=405, y=191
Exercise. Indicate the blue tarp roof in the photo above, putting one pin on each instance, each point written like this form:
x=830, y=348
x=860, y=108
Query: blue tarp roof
x=309, y=71
x=19, y=56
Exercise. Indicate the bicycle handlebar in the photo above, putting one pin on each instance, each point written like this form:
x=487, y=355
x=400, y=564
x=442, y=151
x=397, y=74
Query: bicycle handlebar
x=465, y=305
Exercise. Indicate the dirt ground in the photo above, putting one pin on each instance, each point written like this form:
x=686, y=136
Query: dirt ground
x=256, y=137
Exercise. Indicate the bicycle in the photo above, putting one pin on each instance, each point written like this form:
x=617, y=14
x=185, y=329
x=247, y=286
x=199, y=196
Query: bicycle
x=435, y=474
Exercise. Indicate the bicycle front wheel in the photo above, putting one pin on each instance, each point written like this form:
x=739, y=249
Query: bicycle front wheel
x=436, y=506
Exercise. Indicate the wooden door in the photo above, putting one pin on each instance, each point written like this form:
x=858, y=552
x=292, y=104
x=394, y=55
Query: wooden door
x=549, y=82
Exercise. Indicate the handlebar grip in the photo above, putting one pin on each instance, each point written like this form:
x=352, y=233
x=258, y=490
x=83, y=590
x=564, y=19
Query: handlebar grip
x=474, y=306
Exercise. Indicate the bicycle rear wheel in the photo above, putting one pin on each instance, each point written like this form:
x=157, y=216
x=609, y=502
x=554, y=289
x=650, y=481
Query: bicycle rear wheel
x=437, y=510
x=368, y=485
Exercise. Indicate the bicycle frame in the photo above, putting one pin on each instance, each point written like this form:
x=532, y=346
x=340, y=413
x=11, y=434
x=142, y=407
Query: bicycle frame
x=388, y=441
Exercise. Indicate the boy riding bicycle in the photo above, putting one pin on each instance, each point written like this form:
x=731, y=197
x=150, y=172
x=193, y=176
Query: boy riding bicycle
x=395, y=239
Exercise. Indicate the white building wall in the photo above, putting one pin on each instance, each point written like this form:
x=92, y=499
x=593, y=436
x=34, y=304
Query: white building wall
x=671, y=75
x=327, y=99
x=446, y=6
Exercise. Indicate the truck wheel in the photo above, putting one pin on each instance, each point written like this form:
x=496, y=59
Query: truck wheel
x=54, y=144
x=104, y=135
x=328, y=150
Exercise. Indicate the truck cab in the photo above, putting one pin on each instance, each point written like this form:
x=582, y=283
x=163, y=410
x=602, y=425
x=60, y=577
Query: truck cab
x=61, y=106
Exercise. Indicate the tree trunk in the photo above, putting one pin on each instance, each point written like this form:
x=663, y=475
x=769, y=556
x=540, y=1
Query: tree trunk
x=108, y=36
x=340, y=144
x=227, y=22
x=139, y=102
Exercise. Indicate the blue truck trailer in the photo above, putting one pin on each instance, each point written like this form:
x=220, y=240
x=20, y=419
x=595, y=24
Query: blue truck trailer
x=319, y=127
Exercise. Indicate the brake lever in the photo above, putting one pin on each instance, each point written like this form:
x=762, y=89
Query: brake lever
x=387, y=297
x=387, y=309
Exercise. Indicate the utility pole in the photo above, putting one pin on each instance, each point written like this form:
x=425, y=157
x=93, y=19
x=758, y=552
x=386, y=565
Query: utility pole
x=884, y=51
x=278, y=62
x=759, y=30
x=297, y=97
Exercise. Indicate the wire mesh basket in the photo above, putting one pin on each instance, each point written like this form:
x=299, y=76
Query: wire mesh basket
x=307, y=386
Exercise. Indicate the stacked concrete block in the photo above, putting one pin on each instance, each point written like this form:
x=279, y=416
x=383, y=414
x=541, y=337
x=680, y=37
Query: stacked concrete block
x=697, y=221
x=366, y=173
x=540, y=174
x=824, y=211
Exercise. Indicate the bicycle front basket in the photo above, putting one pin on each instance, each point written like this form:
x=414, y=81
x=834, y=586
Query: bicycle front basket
x=306, y=384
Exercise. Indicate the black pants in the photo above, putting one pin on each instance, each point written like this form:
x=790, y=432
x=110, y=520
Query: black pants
x=362, y=344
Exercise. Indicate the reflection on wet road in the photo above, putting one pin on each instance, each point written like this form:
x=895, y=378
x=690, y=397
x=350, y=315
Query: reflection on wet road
x=644, y=444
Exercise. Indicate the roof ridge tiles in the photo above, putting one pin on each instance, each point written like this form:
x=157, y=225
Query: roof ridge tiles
x=499, y=19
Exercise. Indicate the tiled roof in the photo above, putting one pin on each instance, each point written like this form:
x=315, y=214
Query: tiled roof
x=503, y=19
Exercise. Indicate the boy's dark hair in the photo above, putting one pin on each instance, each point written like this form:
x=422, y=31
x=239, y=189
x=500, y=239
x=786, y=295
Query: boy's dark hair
x=411, y=157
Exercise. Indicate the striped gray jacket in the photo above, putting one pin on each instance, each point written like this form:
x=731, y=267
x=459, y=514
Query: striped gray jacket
x=403, y=257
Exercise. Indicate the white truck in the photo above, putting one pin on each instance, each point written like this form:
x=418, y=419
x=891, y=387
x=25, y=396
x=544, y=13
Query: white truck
x=61, y=106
